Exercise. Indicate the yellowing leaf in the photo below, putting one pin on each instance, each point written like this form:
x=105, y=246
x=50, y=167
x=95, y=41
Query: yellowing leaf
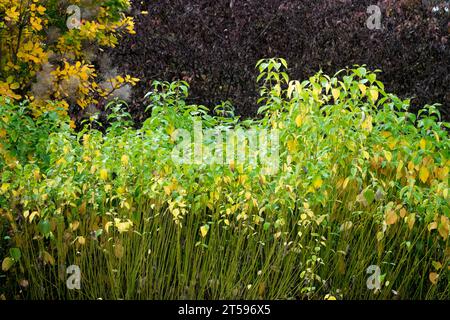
x=204, y=230
x=411, y=220
x=380, y=236
x=391, y=217
x=14, y=86
x=317, y=182
x=12, y=14
x=424, y=174
x=124, y=160
x=32, y=215
x=7, y=263
x=299, y=120
x=124, y=226
x=292, y=145
x=5, y=187
x=81, y=240
x=437, y=265
x=346, y=226
x=108, y=225
x=47, y=257
x=103, y=174
x=432, y=226
x=74, y=225
x=388, y=155
x=363, y=88
x=367, y=124
x=336, y=93
x=423, y=144
x=373, y=95
x=443, y=228
x=433, y=277
x=346, y=181
x=403, y=212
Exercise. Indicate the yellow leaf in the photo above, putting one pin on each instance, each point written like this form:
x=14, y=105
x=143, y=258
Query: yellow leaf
x=423, y=144
x=5, y=187
x=403, y=212
x=103, y=174
x=7, y=264
x=346, y=181
x=388, y=155
x=41, y=10
x=299, y=120
x=363, y=88
x=391, y=217
x=367, y=124
x=32, y=215
x=47, y=257
x=81, y=240
x=336, y=93
x=74, y=225
x=373, y=94
x=329, y=297
x=411, y=220
x=347, y=225
x=124, y=160
x=14, y=86
x=432, y=226
x=292, y=145
x=437, y=265
x=443, y=228
x=433, y=277
x=204, y=230
x=12, y=14
x=424, y=174
x=108, y=225
x=380, y=236
x=124, y=226
x=317, y=182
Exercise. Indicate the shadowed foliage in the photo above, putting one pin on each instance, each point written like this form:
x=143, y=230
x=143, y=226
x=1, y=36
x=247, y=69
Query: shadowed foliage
x=214, y=46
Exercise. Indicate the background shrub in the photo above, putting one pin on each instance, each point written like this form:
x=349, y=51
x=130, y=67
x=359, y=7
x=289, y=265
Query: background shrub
x=214, y=46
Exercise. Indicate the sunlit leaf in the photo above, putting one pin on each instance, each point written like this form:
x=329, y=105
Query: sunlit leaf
x=204, y=230
x=424, y=174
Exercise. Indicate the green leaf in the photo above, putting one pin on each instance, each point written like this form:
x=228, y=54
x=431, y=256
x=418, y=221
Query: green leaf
x=15, y=253
x=369, y=195
x=266, y=226
x=44, y=227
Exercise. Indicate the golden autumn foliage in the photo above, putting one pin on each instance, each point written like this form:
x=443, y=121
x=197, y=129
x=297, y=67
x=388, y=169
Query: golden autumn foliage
x=47, y=50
